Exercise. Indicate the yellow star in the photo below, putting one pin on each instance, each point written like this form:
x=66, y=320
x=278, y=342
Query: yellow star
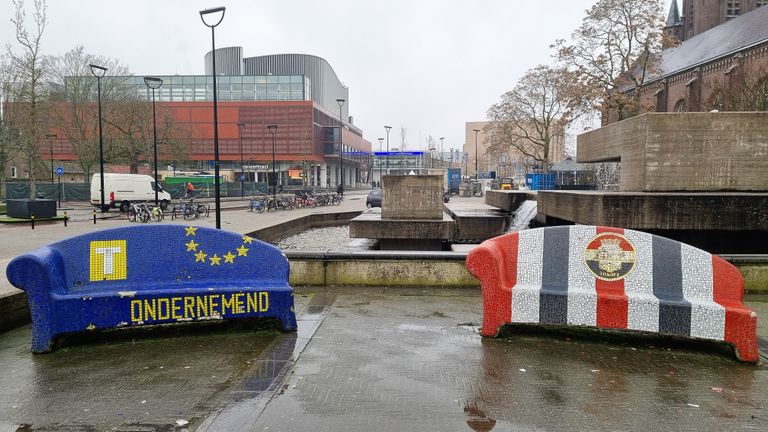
x=200, y=256
x=190, y=230
x=246, y=239
x=242, y=251
x=191, y=246
x=215, y=260
x=229, y=257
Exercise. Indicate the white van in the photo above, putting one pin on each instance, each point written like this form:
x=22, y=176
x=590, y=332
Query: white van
x=121, y=189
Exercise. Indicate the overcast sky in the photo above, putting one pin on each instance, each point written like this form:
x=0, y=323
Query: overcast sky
x=428, y=65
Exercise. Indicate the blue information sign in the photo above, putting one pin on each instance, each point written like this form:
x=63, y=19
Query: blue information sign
x=59, y=171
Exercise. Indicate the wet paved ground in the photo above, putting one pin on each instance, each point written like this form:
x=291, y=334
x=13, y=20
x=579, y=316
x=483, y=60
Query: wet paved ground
x=377, y=360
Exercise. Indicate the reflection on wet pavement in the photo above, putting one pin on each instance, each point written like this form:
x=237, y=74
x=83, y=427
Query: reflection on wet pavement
x=389, y=362
x=376, y=360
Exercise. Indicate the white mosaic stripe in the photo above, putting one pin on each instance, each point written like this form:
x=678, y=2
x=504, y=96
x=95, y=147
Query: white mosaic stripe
x=525, y=294
x=643, y=306
x=707, y=317
x=582, y=295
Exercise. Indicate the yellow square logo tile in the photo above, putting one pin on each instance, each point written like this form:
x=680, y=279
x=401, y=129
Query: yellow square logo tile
x=108, y=260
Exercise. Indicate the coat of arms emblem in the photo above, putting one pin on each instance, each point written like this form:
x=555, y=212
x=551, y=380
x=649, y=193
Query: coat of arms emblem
x=610, y=256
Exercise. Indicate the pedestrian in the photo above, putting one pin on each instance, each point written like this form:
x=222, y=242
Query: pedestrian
x=340, y=189
x=190, y=190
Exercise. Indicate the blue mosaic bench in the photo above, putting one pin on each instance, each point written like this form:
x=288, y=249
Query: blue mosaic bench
x=149, y=275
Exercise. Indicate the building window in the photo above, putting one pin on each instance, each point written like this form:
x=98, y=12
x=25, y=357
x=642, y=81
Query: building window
x=761, y=3
x=681, y=106
x=733, y=8
x=14, y=173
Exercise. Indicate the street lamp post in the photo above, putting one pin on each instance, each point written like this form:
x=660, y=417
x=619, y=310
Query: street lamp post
x=387, y=129
x=341, y=143
x=216, y=167
x=273, y=130
x=51, y=137
x=441, y=152
x=99, y=72
x=240, y=126
x=477, y=155
x=381, y=141
x=154, y=83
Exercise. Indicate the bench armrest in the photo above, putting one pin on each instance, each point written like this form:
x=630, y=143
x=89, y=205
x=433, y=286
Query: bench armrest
x=39, y=273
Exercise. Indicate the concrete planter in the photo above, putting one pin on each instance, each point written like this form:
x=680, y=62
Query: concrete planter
x=25, y=208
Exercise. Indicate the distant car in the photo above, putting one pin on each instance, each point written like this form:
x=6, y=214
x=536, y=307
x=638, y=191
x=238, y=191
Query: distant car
x=373, y=199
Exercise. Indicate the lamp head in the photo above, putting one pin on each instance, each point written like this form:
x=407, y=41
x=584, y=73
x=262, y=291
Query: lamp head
x=387, y=128
x=272, y=128
x=153, y=82
x=98, y=71
x=476, y=130
x=50, y=136
x=211, y=14
x=340, y=102
x=380, y=140
x=240, y=124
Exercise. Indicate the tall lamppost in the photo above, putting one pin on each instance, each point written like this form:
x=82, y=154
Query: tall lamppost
x=341, y=142
x=240, y=126
x=273, y=130
x=477, y=155
x=99, y=72
x=51, y=137
x=441, y=152
x=387, y=128
x=381, y=141
x=216, y=167
x=154, y=83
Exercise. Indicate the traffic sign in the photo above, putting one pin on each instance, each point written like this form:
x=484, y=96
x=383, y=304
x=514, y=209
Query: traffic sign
x=59, y=171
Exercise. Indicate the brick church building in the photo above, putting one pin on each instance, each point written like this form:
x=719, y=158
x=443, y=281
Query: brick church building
x=719, y=63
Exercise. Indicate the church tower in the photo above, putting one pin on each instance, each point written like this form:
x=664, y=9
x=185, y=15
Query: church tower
x=673, y=28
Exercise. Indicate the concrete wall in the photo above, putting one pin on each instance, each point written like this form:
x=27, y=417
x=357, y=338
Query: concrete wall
x=658, y=211
x=381, y=269
x=412, y=197
x=684, y=151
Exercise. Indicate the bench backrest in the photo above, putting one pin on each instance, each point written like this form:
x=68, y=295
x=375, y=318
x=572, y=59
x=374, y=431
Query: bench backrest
x=141, y=257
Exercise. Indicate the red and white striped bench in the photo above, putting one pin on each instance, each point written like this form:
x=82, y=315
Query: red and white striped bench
x=612, y=278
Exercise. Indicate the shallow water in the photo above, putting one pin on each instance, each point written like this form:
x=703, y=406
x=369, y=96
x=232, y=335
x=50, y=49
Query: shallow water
x=324, y=239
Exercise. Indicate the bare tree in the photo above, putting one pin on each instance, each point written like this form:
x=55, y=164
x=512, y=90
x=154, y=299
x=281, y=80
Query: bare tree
x=611, y=53
x=27, y=96
x=530, y=118
x=403, y=138
x=74, y=111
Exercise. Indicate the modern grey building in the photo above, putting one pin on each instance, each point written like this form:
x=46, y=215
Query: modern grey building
x=325, y=85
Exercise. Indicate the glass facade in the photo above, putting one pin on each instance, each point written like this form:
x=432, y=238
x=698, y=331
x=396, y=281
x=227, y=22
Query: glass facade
x=199, y=88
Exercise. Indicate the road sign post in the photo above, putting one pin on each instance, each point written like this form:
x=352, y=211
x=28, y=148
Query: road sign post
x=59, y=173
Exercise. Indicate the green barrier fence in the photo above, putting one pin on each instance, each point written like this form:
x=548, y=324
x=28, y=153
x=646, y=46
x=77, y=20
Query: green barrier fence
x=82, y=191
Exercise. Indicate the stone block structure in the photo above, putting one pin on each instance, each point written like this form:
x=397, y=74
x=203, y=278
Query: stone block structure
x=684, y=151
x=412, y=197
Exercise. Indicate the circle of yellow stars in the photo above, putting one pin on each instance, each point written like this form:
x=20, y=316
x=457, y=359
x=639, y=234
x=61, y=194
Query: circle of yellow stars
x=215, y=259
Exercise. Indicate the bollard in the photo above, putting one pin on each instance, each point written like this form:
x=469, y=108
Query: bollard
x=66, y=218
x=94, y=217
x=33, y=221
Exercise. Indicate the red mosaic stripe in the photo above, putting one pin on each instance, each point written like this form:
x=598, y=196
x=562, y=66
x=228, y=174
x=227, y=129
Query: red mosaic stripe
x=612, y=303
x=740, y=322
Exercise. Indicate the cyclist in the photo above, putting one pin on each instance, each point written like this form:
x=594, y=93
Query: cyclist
x=340, y=189
x=190, y=190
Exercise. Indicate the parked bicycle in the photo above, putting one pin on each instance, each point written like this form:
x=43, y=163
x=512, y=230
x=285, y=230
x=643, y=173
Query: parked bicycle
x=142, y=212
x=190, y=209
